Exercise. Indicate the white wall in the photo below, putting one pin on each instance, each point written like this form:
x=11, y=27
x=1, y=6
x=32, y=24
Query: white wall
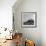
x=6, y=13
x=37, y=34
x=29, y=6
x=43, y=22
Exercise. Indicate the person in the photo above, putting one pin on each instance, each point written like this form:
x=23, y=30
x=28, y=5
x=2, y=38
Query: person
x=18, y=40
x=29, y=43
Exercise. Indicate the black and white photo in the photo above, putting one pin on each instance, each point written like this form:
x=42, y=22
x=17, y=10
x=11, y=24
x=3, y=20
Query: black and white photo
x=29, y=19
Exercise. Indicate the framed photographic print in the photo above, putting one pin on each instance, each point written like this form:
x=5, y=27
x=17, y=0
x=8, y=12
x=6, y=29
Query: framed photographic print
x=29, y=19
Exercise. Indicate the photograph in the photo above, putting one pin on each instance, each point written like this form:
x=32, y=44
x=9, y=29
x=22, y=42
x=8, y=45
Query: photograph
x=29, y=19
x=22, y=22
